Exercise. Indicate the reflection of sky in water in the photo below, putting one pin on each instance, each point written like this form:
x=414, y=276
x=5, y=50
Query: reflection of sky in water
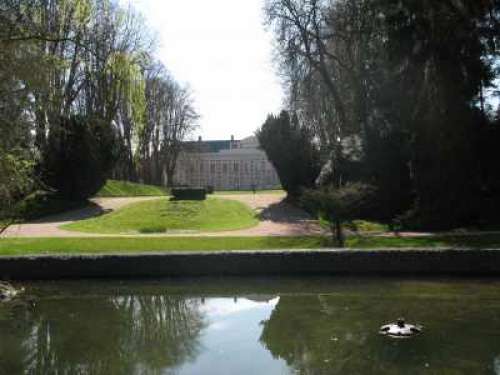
x=230, y=343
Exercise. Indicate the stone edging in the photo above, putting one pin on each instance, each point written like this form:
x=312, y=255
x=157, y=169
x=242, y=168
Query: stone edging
x=384, y=262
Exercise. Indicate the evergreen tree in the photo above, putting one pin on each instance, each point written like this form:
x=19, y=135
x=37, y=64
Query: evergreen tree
x=292, y=151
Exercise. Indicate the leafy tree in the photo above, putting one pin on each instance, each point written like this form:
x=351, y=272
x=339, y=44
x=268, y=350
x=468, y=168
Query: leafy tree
x=407, y=81
x=340, y=205
x=292, y=151
x=75, y=92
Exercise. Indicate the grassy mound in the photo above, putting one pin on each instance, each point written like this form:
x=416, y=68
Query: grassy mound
x=114, y=188
x=164, y=215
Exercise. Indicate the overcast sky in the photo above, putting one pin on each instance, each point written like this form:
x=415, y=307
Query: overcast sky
x=221, y=49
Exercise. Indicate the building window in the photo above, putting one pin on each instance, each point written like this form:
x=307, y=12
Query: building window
x=236, y=167
x=212, y=167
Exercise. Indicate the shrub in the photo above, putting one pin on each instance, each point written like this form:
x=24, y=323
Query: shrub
x=210, y=189
x=194, y=194
x=340, y=205
x=79, y=155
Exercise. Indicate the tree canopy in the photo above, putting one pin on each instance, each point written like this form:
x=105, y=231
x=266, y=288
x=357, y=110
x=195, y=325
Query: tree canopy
x=82, y=97
x=398, y=94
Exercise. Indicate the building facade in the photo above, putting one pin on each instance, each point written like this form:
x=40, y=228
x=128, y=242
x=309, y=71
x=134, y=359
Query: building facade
x=226, y=165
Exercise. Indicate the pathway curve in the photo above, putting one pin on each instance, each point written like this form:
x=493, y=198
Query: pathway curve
x=277, y=218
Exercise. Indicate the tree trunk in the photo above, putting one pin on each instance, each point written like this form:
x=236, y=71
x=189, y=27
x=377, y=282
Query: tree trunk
x=170, y=177
x=338, y=233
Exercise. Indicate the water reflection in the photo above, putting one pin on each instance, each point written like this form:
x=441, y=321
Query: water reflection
x=102, y=335
x=284, y=327
x=337, y=333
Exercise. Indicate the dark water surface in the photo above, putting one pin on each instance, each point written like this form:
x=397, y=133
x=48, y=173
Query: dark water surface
x=251, y=326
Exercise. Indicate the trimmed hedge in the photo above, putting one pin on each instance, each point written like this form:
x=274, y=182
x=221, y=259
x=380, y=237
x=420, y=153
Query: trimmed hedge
x=193, y=194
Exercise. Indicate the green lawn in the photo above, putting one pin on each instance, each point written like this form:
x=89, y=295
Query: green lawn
x=114, y=188
x=25, y=246
x=455, y=241
x=162, y=215
x=103, y=245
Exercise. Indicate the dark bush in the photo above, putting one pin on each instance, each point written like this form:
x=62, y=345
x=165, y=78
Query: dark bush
x=210, y=189
x=80, y=153
x=195, y=194
x=292, y=151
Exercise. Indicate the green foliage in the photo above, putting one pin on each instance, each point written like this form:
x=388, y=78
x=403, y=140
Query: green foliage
x=114, y=188
x=292, y=151
x=79, y=155
x=366, y=226
x=343, y=204
x=163, y=215
x=70, y=72
x=16, y=180
x=402, y=91
x=128, y=83
x=189, y=194
x=339, y=205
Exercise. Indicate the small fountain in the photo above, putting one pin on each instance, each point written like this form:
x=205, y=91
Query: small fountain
x=400, y=329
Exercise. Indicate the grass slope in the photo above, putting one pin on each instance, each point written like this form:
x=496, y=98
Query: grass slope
x=114, y=188
x=102, y=245
x=162, y=215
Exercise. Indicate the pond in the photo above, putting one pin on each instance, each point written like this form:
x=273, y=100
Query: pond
x=251, y=326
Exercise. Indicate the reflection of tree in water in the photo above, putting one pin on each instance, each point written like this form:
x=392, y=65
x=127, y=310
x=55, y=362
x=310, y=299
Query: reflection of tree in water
x=332, y=334
x=103, y=335
x=14, y=348
x=163, y=330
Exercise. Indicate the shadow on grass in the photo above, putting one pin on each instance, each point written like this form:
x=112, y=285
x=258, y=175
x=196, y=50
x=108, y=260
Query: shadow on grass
x=283, y=212
x=474, y=241
x=89, y=210
x=153, y=229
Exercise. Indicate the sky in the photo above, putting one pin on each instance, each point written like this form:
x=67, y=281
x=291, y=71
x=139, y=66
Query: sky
x=221, y=49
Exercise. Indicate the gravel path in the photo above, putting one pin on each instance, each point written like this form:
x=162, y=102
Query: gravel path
x=277, y=219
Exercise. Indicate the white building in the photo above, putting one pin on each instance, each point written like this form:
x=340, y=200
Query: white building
x=226, y=165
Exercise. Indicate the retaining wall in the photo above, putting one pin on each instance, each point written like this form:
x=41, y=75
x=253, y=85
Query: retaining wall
x=249, y=263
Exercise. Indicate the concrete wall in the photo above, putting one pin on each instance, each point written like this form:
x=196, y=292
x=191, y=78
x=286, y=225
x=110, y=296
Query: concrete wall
x=250, y=263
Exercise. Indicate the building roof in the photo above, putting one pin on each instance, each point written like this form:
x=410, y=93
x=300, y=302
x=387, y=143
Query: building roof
x=208, y=146
x=222, y=145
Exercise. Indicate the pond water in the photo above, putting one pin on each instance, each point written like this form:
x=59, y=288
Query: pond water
x=251, y=326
